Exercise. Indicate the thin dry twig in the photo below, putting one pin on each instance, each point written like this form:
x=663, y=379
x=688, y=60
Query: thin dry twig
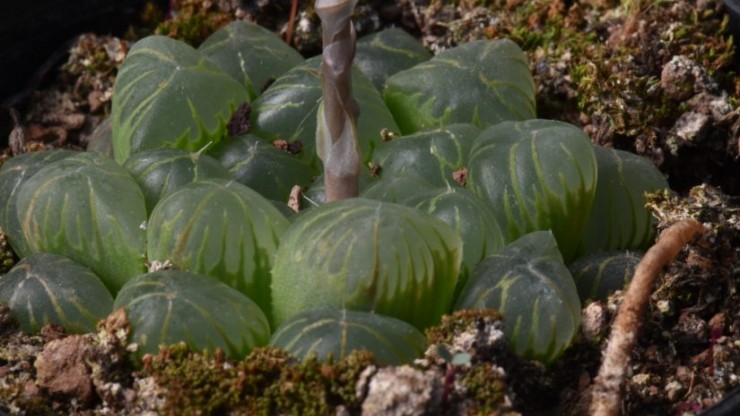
x=607, y=392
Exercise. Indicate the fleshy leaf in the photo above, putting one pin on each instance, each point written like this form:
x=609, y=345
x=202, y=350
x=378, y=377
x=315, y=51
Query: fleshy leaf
x=382, y=54
x=431, y=155
x=88, y=208
x=536, y=175
x=619, y=218
x=13, y=174
x=220, y=228
x=261, y=166
x=334, y=333
x=481, y=82
x=250, y=54
x=168, y=95
x=47, y=288
x=367, y=255
x=160, y=172
x=530, y=285
x=171, y=306
x=598, y=275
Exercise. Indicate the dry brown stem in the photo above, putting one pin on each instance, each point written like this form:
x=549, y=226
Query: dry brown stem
x=336, y=137
x=606, y=399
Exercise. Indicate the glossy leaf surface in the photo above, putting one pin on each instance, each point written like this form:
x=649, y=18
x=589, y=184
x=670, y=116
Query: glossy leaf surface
x=250, y=54
x=261, y=166
x=47, y=288
x=160, y=172
x=530, y=285
x=536, y=175
x=88, y=208
x=172, y=306
x=468, y=215
x=619, y=218
x=598, y=275
x=367, y=255
x=168, y=95
x=222, y=229
x=334, y=333
x=13, y=174
x=382, y=54
x=481, y=82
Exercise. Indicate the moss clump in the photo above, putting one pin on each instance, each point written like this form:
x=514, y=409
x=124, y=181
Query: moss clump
x=194, y=21
x=7, y=260
x=458, y=322
x=485, y=391
x=267, y=382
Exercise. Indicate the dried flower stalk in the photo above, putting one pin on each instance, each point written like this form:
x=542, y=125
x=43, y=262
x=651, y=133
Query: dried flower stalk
x=336, y=136
x=606, y=399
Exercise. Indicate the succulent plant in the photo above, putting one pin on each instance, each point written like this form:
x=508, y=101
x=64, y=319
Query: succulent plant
x=249, y=53
x=480, y=82
x=598, y=275
x=334, y=333
x=396, y=188
x=261, y=166
x=159, y=172
x=169, y=95
x=222, y=229
x=530, y=285
x=13, y=174
x=536, y=175
x=47, y=288
x=88, y=208
x=619, y=218
x=367, y=255
x=171, y=306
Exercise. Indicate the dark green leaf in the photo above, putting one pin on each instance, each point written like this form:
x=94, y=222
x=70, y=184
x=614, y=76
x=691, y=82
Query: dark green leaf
x=382, y=54
x=168, y=95
x=598, y=275
x=530, y=285
x=334, y=333
x=480, y=82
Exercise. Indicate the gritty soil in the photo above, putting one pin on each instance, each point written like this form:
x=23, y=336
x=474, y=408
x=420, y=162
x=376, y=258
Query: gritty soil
x=657, y=78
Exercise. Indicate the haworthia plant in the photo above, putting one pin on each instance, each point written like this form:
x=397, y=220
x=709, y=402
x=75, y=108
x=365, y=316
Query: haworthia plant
x=530, y=285
x=47, y=288
x=160, y=172
x=250, y=54
x=619, y=218
x=90, y=209
x=261, y=166
x=598, y=275
x=367, y=255
x=431, y=155
x=168, y=95
x=536, y=175
x=288, y=109
x=14, y=173
x=171, y=306
x=481, y=82
x=382, y=54
x=331, y=334
x=220, y=228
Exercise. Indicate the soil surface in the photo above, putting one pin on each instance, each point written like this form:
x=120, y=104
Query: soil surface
x=657, y=78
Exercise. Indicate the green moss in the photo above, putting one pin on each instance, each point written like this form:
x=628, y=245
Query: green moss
x=194, y=22
x=486, y=389
x=458, y=322
x=267, y=382
x=7, y=260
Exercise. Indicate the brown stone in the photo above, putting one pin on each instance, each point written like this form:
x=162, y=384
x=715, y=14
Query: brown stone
x=62, y=372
